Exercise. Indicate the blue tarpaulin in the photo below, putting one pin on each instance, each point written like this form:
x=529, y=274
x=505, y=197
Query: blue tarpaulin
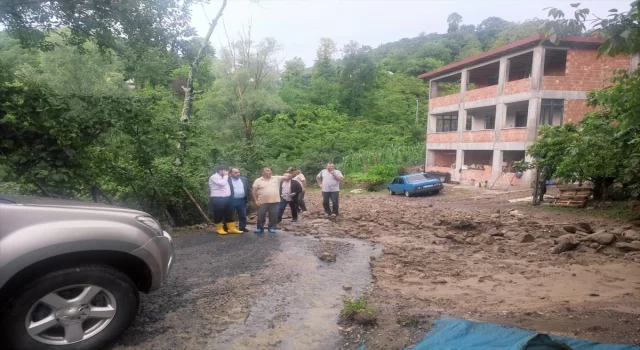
x=456, y=334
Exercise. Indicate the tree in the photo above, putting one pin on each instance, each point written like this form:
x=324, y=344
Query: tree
x=454, y=20
x=157, y=23
x=357, y=78
x=324, y=84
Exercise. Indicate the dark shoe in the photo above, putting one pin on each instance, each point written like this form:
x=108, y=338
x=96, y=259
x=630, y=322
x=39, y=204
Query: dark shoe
x=259, y=230
x=272, y=230
x=294, y=220
x=244, y=230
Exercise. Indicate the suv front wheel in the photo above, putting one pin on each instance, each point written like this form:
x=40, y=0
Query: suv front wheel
x=79, y=308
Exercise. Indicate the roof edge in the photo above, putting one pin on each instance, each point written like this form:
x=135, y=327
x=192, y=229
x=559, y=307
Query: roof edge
x=492, y=52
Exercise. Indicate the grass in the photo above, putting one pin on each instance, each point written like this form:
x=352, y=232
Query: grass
x=395, y=154
x=407, y=321
x=617, y=210
x=351, y=306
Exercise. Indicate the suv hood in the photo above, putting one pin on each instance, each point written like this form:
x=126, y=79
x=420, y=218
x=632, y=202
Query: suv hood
x=64, y=203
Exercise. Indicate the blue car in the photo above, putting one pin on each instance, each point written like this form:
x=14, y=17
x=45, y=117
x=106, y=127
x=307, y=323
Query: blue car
x=414, y=184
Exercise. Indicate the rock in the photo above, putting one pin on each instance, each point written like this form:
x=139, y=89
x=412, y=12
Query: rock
x=495, y=232
x=514, y=213
x=357, y=190
x=570, y=229
x=511, y=234
x=489, y=240
x=554, y=233
x=495, y=216
x=347, y=287
x=631, y=235
x=583, y=226
x=565, y=243
x=603, y=238
x=328, y=257
x=594, y=245
x=525, y=238
x=498, y=211
x=618, y=231
x=441, y=281
x=629, y=247
x=364, y=318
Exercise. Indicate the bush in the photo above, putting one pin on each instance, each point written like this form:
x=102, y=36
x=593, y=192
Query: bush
x=376, y=177
x=352, y=306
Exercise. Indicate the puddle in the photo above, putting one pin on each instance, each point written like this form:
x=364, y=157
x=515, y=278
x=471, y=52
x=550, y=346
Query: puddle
x=303, y=296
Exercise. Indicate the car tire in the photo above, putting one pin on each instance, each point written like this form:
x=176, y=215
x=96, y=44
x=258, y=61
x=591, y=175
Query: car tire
x=407, y=194
x=436, y=192
x=391, y=192
x=115, y=290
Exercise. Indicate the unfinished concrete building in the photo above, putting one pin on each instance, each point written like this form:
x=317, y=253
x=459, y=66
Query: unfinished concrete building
x=484, y=111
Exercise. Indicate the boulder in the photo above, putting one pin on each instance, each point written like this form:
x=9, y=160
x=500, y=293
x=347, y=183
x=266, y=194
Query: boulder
x=328, y=257
x=570, y=229
x=603, y=238
x=631, y=235
x=583, y=226
x=629, y=247
x=525, y=238
x=565, y=243
x=347, y=287
x=489, y=240
x=555, y=233
x=364, y=318
x=594, y=245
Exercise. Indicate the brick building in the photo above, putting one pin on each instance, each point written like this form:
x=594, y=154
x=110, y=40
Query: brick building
x=484, y=111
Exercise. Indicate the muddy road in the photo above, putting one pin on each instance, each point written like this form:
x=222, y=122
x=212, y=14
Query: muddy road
x=466, y=253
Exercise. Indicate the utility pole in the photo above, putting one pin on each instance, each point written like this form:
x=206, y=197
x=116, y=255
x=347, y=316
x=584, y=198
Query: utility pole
x=417, y=105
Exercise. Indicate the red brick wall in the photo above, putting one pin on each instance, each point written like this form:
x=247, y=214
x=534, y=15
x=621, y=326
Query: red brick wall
x=574, y=111
x=477, y=175
x=481, y=94
x=585, y=72
x=442, y=137
x=478, y=136
x=513, y=135
x=444, y=158
x=516, y=86
x=444, y=100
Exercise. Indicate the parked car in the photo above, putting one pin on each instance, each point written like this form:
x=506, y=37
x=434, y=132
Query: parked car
x=70, y=272
x=414, y=184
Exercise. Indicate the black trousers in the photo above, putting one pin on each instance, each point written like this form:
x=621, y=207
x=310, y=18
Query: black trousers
x=301, y=204
x=283, y=205
x=334, y=197
x=221, y=209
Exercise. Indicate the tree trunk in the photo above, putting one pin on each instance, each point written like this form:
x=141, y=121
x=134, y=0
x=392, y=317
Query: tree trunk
x=195, y=203
x=188, y=90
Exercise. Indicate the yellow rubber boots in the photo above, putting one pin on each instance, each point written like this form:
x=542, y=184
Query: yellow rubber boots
x=231, y=227
x=220, y=229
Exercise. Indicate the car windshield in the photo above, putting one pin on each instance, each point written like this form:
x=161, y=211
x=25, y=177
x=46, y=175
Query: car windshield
x=417, y=178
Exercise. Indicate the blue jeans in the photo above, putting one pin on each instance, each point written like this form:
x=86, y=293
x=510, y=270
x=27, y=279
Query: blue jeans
x=239, y=205
x=283, y=205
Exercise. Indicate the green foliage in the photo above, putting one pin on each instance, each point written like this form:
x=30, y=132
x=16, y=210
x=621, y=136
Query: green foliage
x=377, y=175
x=352, y=306
x=391, y=155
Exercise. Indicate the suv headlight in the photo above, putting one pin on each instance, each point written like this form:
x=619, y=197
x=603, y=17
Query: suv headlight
x=152, y=223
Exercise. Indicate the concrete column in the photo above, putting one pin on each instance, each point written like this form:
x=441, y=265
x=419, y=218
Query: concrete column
x=496, y=165
x=462, y=119
x=501, y=116
x=431, y=123
x=635, y=61
x=503, y=75
x=464, y=81
x=533, y=116
x=537, y=70
x=433, y=89
x=459, y=162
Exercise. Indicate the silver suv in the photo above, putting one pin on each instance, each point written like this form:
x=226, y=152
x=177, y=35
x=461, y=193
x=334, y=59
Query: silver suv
x=70, y=272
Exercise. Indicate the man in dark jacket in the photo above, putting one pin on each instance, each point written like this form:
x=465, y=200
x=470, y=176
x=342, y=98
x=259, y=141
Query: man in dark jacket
x=240, y=196
x=289, y=191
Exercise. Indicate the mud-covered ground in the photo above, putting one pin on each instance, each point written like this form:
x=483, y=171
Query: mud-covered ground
x=467, y=253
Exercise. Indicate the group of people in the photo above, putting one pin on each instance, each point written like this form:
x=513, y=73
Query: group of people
x=230, y=194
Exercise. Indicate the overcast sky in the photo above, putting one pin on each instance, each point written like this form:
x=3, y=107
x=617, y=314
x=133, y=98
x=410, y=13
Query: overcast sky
x=298, y=25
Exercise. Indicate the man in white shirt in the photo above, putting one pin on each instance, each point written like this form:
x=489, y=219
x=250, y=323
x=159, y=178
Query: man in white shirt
x=329, y=180
x=220, y=201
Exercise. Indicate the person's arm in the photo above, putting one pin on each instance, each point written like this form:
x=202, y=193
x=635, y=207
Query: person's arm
x=254, y=195
x=219, y=180
x=338, y=175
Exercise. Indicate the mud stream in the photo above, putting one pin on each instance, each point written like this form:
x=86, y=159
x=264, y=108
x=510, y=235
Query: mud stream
x=303, y=295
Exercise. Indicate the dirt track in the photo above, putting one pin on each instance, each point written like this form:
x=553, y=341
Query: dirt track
x=452, y=254
x=439, y=259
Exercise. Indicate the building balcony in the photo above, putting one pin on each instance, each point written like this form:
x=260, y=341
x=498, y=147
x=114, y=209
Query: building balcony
x=444, y=100
x=481, y=93
x=443, y=137
x=513, y=135
x=517, y=86
x=478, y=136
